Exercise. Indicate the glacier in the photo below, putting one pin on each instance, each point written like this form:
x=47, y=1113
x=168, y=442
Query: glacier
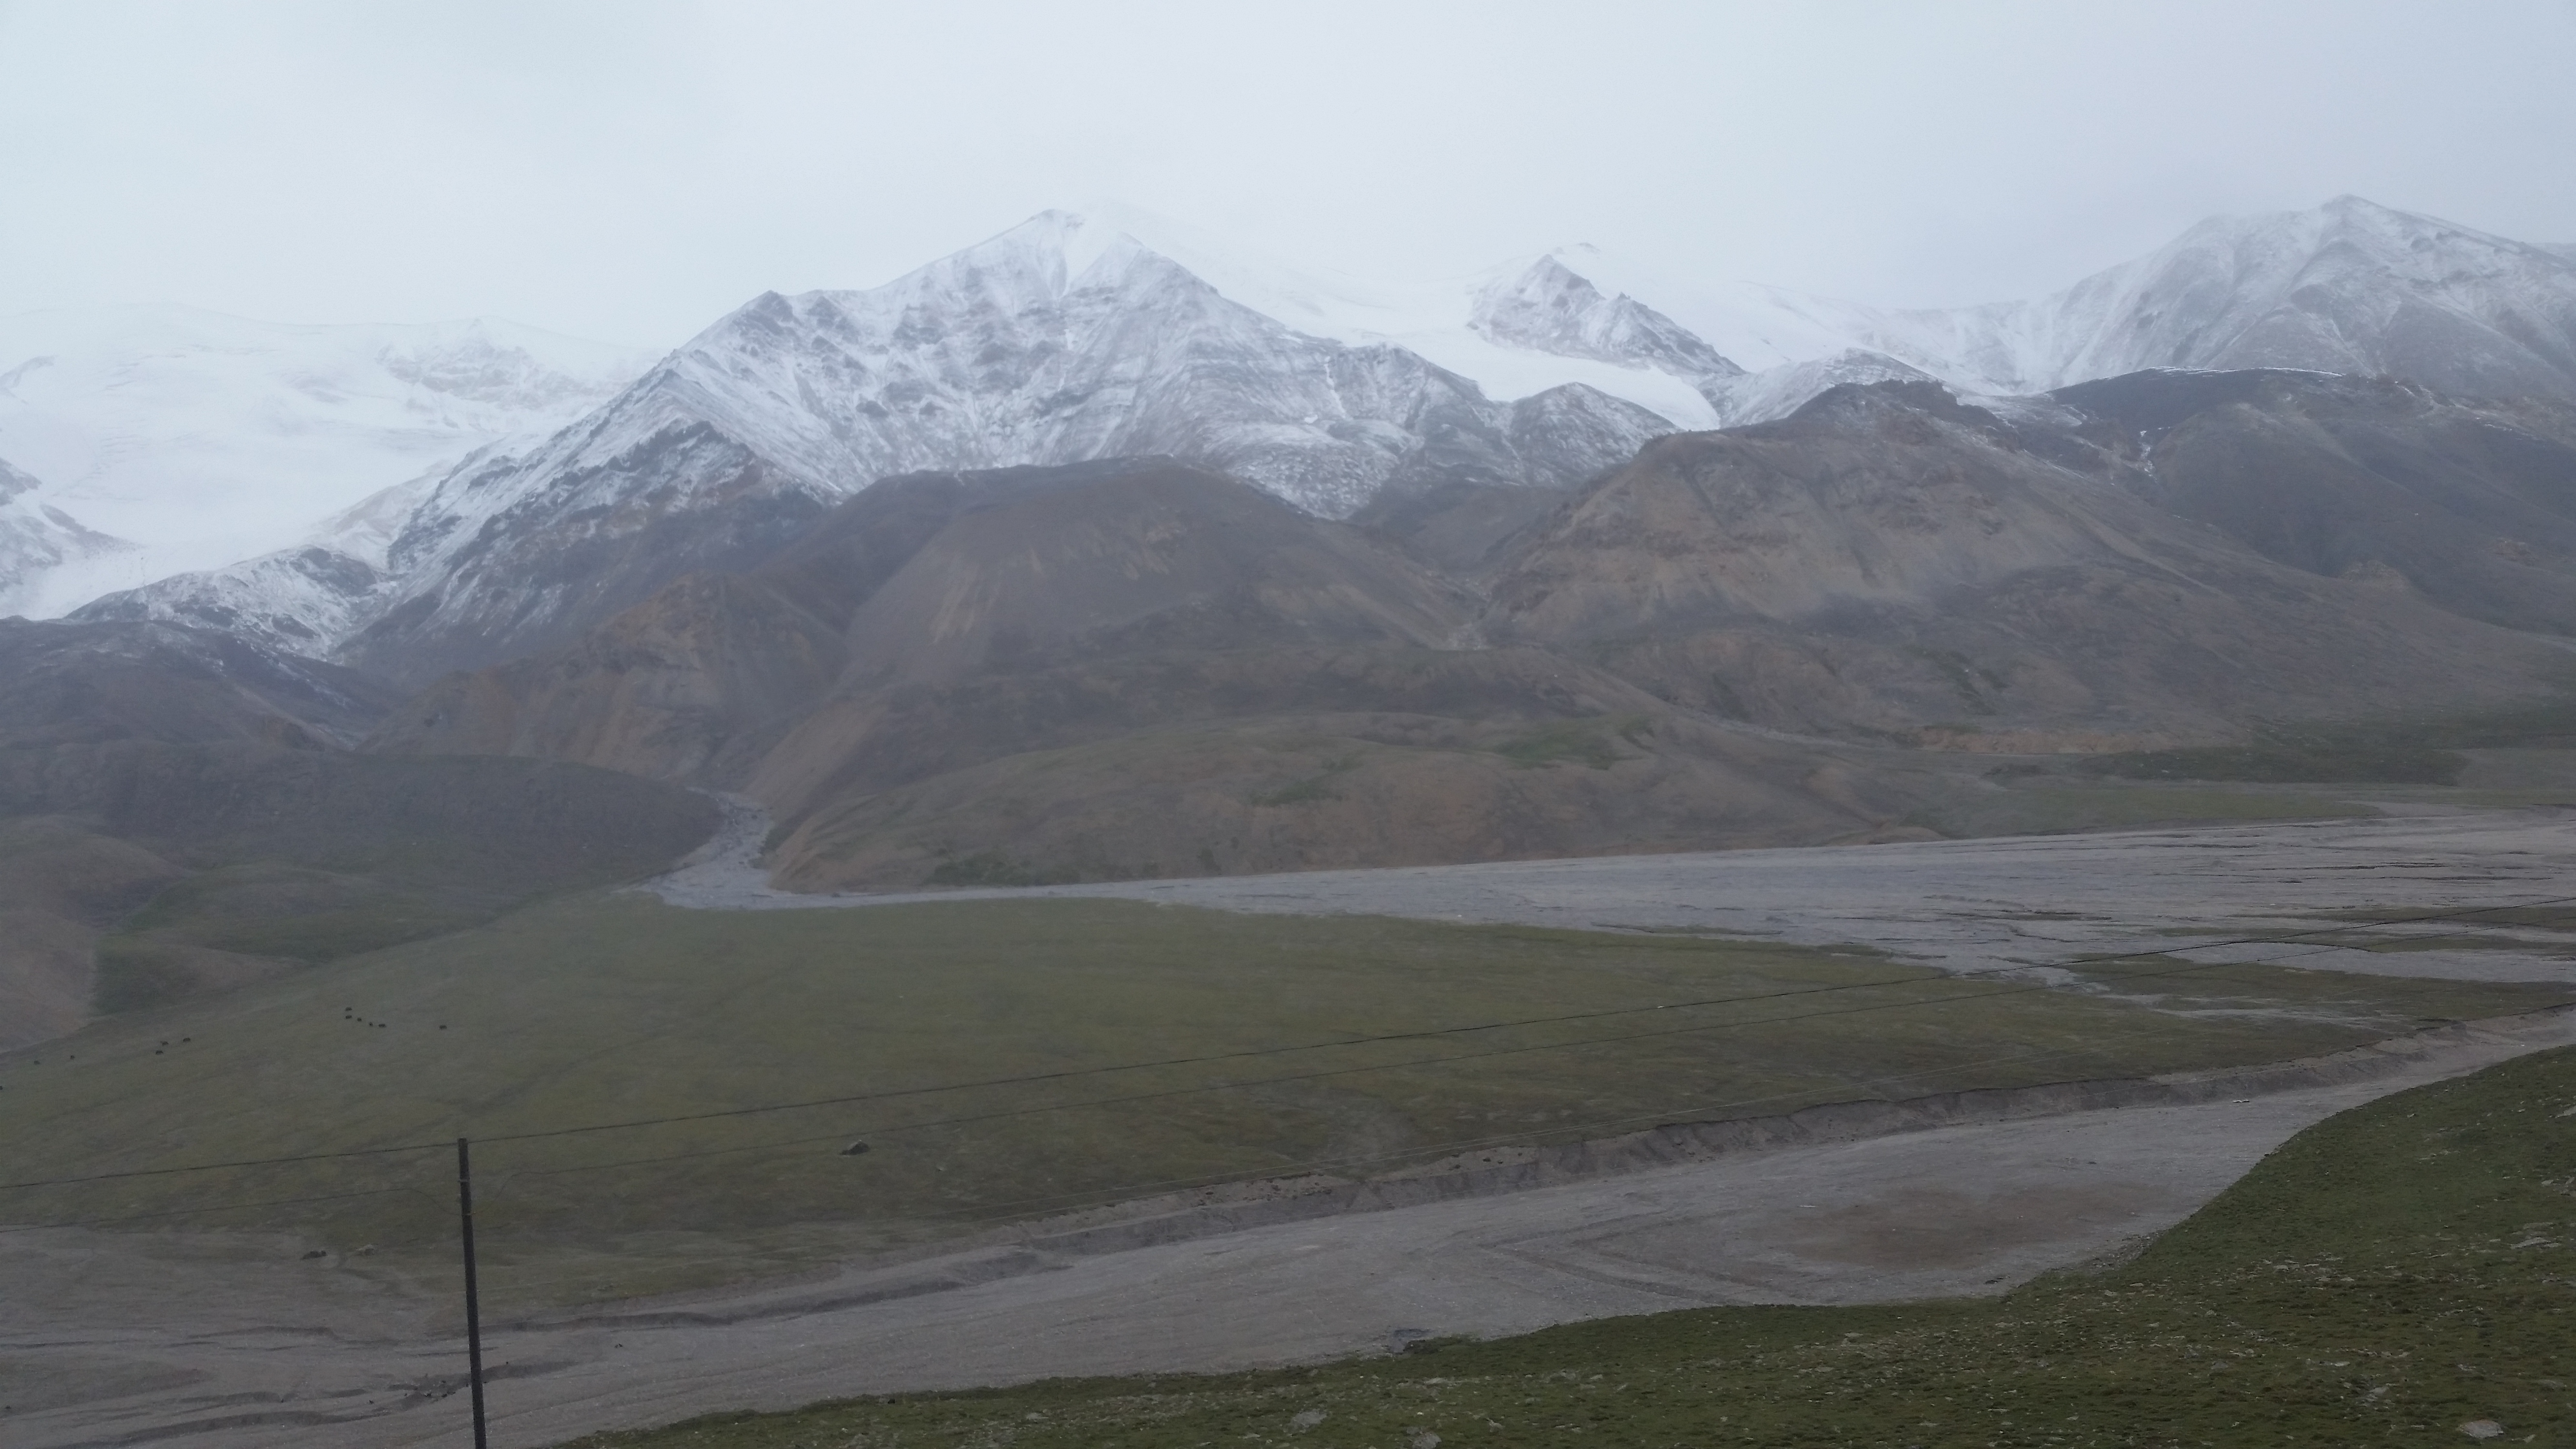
x=37, y=538
x=200, y=439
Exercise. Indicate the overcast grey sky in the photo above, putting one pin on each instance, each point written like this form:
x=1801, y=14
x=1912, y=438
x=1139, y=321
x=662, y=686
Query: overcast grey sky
x=631, y=170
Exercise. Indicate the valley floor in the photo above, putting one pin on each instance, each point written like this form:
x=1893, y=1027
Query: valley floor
x=242, y=1352
x=231, y=1341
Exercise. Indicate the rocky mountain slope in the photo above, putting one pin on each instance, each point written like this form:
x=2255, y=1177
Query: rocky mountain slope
x=1451, y=413
x=1890, y=561
x=1117, y=669
x=88, y=683
x=301, y=600
x=1052, y=343
x=2470, y=504
x=1149, y=668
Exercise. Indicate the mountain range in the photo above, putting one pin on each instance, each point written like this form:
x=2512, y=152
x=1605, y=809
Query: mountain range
x=1463, y=410
x=1098, y=549
x=2350, y=287
x=1142, y=667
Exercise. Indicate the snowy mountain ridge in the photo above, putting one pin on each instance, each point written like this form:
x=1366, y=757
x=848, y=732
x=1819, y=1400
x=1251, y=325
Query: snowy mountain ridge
x=2349, y=287
x=1058, y=341
x=1109, y=332
x=204, y=438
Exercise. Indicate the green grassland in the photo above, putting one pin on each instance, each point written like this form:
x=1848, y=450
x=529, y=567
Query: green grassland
x=2502, y=762
x=2426, y=750
x=599, y=1008
x=2056, y=804
x=2386, y=1277
x=2309, y=777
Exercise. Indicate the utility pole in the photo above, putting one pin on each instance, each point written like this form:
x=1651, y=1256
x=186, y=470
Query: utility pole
x=473, y=1309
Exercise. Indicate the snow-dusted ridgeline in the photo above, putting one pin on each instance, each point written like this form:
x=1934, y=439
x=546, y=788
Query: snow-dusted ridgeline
x=202, y=439
x=1077, y=336
x=1058, y=341
x=2349, y=287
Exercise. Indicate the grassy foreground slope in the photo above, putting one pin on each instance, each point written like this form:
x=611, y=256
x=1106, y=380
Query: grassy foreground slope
x=2402, y=1274
x=610, y=1009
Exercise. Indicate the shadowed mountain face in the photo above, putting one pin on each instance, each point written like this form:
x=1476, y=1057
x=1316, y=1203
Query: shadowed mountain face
x=927, y=578
x=2471, y=504
x=1144, y=561
x=1122, y=669
x=89, y=682
x=1144, y=668
x=133, y=873
x=178, y=813
x=1890, y=561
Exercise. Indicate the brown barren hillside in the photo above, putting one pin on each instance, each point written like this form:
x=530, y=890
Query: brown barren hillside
x=1891, y=562
x=1740, y=638
x=1133, y=669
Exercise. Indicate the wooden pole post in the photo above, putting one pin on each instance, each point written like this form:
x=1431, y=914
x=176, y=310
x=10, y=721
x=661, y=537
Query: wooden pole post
x=473, y=1308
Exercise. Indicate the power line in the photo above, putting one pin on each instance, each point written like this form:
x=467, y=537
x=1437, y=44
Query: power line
x=1428, y=1033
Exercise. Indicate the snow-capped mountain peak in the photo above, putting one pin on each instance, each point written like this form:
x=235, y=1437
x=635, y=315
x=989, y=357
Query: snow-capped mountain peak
x=1107, y=331
x=1435, y=319
x=1063, y=339
x=1551, y=308
x=2350, y=286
